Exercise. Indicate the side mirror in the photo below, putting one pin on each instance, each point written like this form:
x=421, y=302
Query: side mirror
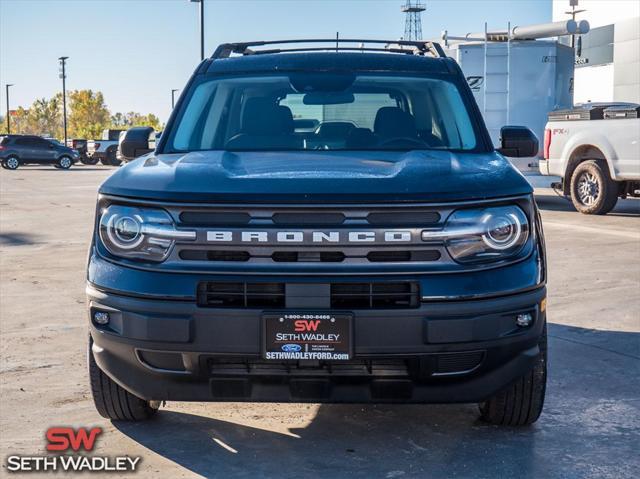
x=518, y=142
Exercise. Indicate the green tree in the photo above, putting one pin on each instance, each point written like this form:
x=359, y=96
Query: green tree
x=118, y=120
x=88, y=114
x=132, y=118
x=45, y=117
x=152, y=121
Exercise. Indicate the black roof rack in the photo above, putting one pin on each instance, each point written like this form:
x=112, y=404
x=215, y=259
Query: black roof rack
x=333, y=44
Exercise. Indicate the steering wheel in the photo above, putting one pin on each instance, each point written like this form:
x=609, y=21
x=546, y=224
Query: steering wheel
x=402, y=141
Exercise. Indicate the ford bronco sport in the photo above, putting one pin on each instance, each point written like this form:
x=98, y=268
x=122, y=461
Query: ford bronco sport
x=321, y=224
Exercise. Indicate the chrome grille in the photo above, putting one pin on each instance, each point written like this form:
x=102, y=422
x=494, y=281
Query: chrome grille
x=209, y=251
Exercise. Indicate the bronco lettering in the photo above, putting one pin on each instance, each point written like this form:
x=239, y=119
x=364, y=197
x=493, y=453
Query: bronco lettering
x=394, y=236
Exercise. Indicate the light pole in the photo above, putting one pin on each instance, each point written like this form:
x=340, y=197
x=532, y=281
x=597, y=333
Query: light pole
x=173, y=97
x=201, y=2
x=8, y=124
x=63, y=75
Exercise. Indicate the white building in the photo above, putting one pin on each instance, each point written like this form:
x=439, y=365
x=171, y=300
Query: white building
x=608, y=57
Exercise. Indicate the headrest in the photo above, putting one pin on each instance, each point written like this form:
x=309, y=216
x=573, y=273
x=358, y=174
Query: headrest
x=361, y=138
x=286, y=119
x=334, y=129
x=261, y=116
x=393, y=122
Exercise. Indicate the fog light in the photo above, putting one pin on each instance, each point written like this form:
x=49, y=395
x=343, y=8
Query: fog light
x=100, y=317
x=523, y=320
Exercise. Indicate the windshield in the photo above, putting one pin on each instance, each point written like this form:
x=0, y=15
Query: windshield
x=323, y=111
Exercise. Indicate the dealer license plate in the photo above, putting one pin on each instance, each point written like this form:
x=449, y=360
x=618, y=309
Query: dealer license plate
x=321, y=336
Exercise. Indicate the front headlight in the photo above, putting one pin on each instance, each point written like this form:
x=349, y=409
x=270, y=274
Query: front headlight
x=483, y=235
x=139, y=233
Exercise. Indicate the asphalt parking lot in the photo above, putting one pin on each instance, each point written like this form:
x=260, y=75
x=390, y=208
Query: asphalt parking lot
x=590, y=426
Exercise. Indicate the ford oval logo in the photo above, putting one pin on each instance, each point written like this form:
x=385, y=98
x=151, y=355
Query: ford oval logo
x=291, y=348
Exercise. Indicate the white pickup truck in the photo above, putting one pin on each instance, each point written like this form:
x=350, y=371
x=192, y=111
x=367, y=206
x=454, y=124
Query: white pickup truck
x=595, y=149
x=104, y=150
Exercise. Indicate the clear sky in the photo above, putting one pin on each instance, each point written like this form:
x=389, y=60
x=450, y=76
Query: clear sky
x=136, y=51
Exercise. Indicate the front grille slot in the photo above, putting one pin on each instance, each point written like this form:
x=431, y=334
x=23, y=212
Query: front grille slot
x=241, y=295
x=403, y=256
x=374, y=295
x=307, y=219
x=383, y=295
x=419, y=367
x=308, y=256
x=457, y=363
x=213, y=218
x=404, y=218
x=260, y=367
x=214, y=255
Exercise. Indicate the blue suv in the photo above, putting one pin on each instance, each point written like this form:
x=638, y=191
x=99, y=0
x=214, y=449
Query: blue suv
x=16, y=150
x=321, y=223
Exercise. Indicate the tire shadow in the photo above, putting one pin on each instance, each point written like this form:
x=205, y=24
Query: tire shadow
x=585, y=417
x=343, y=439
x=17, y=239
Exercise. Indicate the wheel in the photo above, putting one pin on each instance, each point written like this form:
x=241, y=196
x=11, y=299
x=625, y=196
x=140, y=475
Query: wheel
x=520, y=404
x=113, y=401
x=65, y=162
x=112, y=159
x=87, y=160
x=11, y=163
x=593, y=192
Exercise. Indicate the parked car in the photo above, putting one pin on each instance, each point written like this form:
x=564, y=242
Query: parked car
x=16, y=150
x=595, y=149
x=135, y=142
x=104, y=150
x=244, y=260
x=80, y=145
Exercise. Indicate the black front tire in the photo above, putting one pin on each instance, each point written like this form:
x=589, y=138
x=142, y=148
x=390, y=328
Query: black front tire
x=111, y=400
x=520, y=404
x=87, y=160
x=593, y=192
x=11, y=163
x=113, y=158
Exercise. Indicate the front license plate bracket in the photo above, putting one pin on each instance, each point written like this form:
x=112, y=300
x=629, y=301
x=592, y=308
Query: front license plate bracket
x=325, y=336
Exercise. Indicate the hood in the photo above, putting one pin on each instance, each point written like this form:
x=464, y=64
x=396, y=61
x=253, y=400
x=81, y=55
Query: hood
x=315, y=176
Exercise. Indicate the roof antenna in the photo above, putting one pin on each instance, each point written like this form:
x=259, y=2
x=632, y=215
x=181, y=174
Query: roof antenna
x=337, y=38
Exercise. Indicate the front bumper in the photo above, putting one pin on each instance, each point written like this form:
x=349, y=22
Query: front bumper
x=442, y=351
